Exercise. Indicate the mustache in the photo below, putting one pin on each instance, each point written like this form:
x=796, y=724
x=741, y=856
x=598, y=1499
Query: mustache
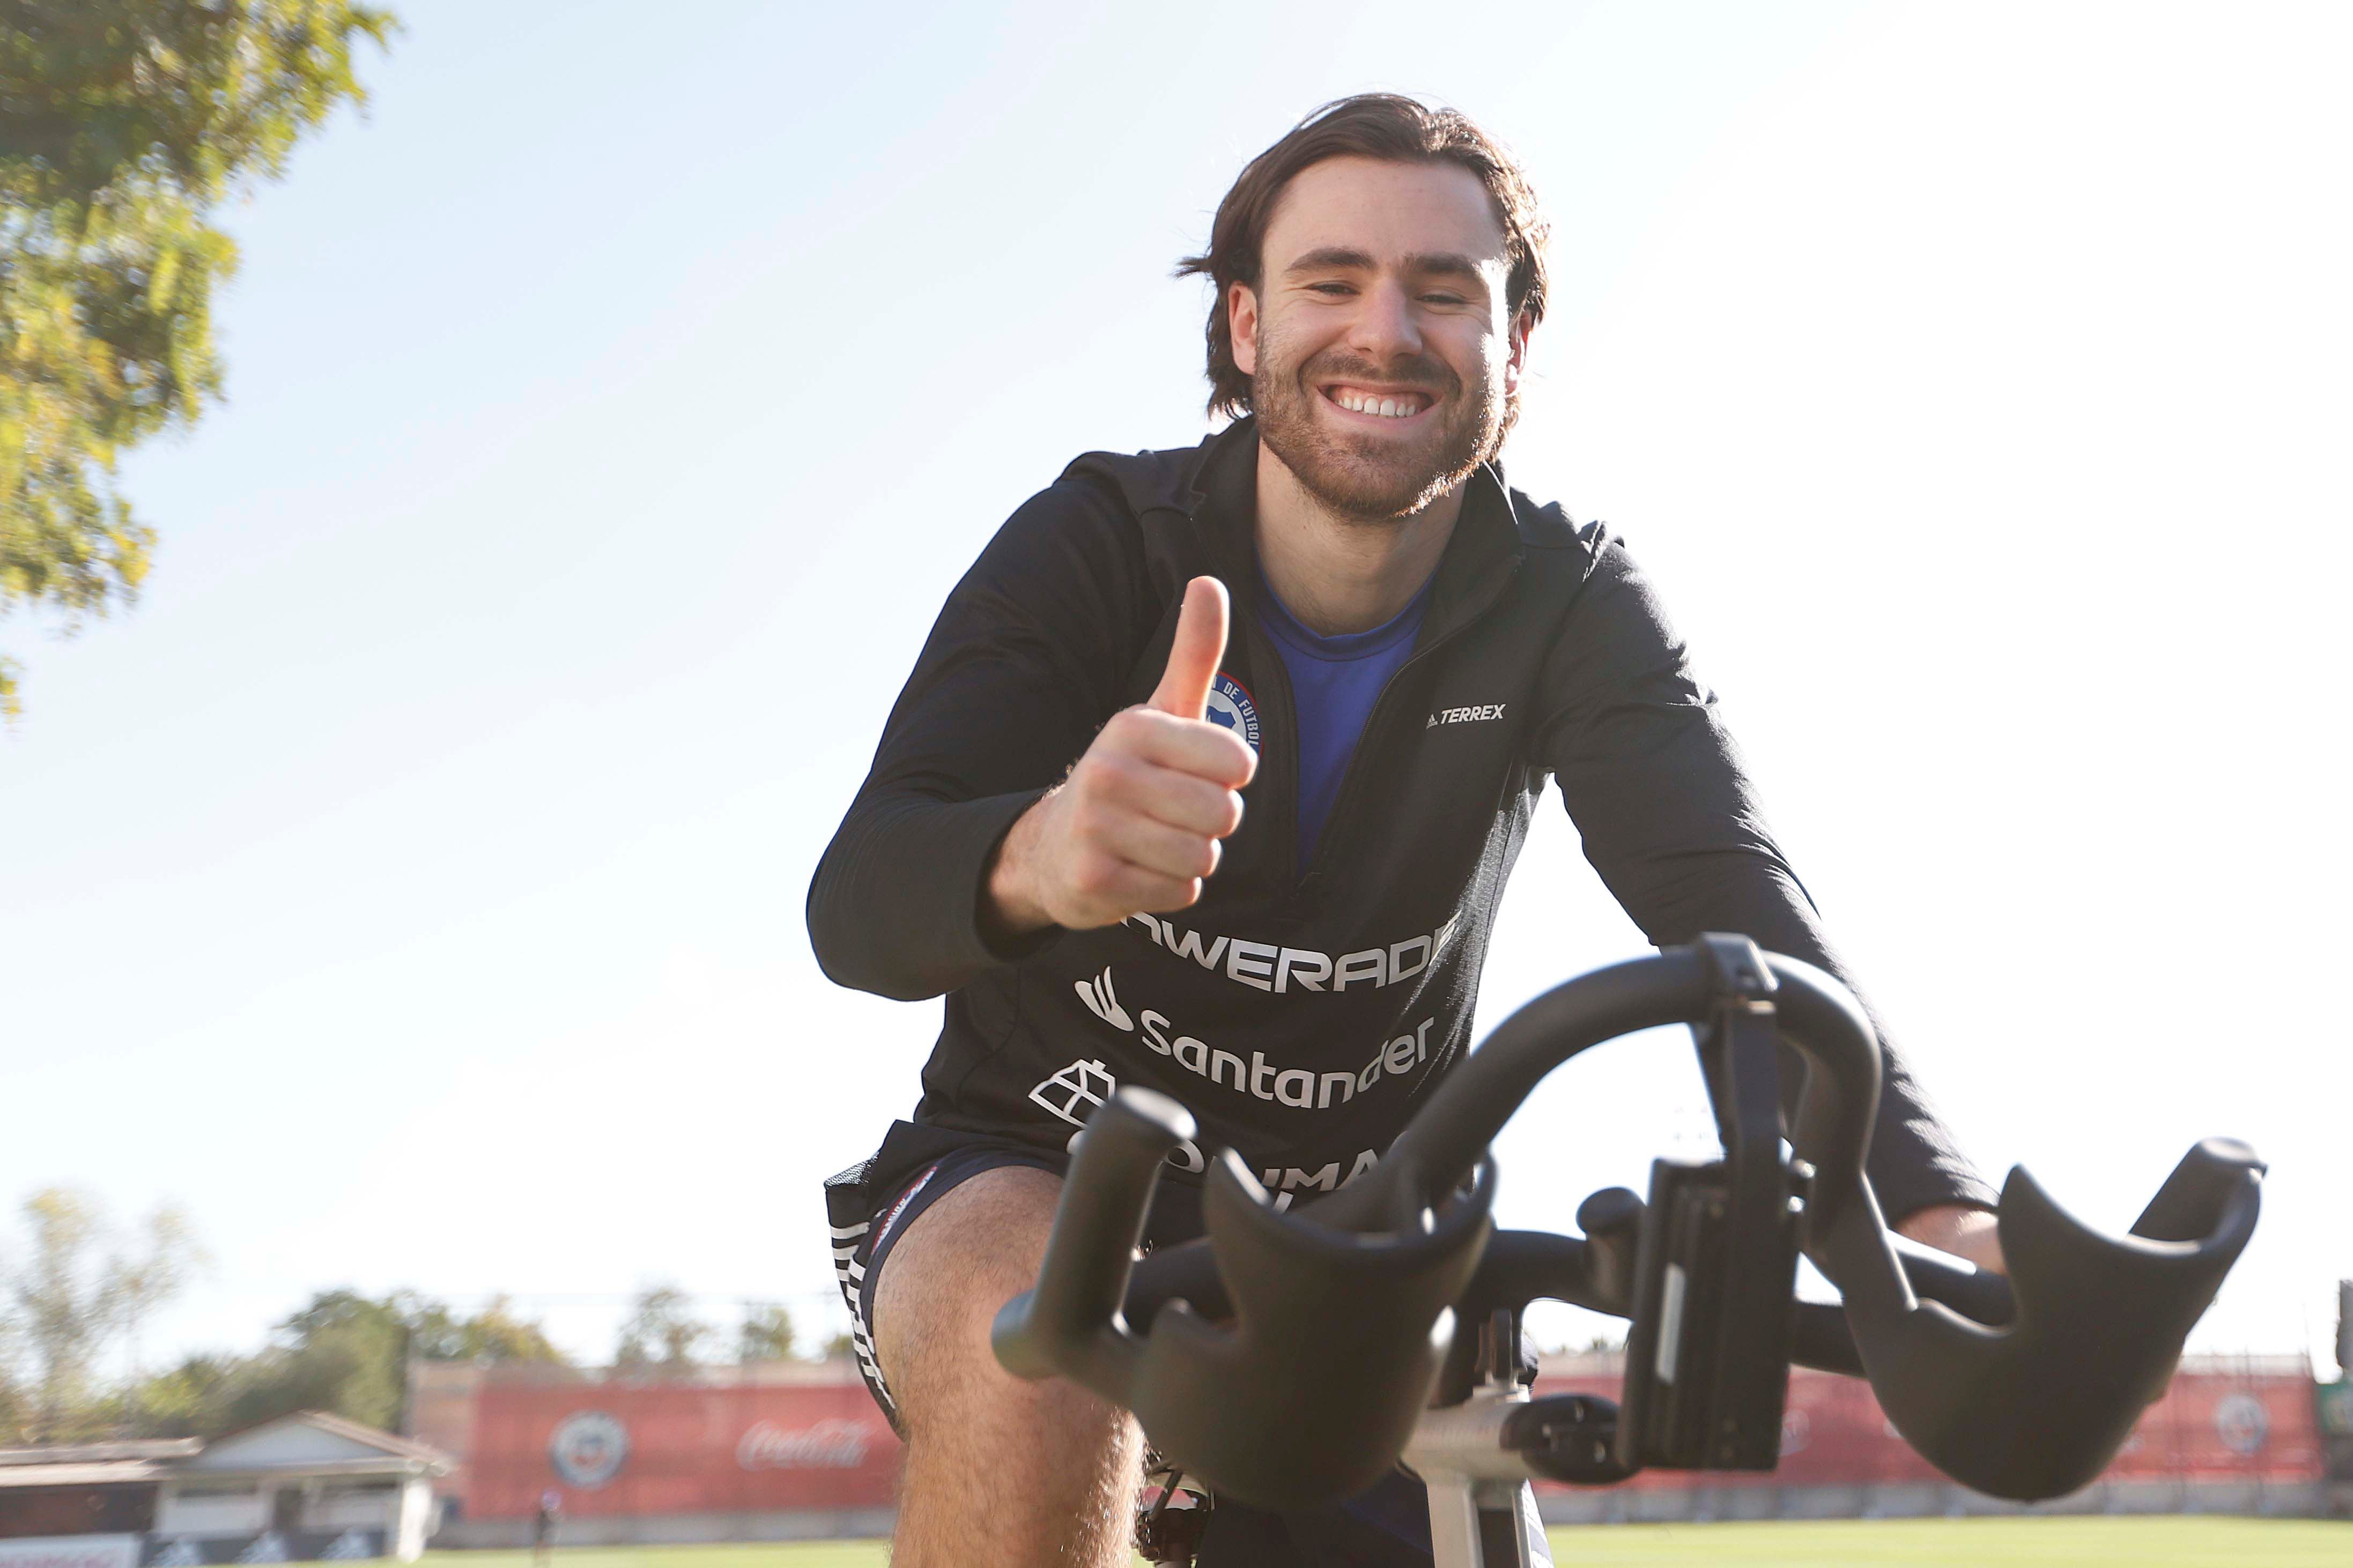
x=1422, y=372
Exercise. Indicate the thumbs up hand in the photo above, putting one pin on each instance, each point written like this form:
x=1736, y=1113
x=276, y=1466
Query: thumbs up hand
x=1136, y=826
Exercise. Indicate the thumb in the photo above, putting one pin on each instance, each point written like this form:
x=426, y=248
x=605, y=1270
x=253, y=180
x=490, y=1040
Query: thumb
x=1200, y=645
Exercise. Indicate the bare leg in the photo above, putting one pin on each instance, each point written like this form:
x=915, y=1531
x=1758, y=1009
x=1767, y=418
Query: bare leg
x=998, y=1470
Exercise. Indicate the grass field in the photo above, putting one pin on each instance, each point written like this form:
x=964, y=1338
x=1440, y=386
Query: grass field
x=2204, y=1542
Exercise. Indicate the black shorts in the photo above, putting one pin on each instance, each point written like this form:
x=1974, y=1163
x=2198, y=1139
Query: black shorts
x=869, y=1207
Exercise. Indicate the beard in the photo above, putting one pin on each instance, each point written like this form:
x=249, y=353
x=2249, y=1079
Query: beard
x=1366, y=476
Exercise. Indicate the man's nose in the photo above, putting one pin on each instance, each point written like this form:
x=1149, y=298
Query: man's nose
x=1385, y=327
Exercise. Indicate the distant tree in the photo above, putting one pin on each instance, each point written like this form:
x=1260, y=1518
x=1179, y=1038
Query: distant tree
x=61, y=1316
x=123, y=124
x=662, y=1329
x=190, y=1400
x=345, y=1353
x=156, y=1272
x=78, y=1294
x=840, y=1347
x=766, y=1333
x=494, y=1333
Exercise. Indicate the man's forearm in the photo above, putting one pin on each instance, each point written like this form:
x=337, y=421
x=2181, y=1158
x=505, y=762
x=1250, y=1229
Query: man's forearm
x=893, y=908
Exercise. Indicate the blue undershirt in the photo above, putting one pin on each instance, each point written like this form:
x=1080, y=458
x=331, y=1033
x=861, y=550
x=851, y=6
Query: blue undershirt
x=1334, y=683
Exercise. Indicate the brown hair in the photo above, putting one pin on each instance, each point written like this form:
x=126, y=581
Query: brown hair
x=1394, y=129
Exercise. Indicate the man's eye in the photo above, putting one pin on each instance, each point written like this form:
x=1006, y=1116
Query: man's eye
x=1443, y=299
x=1335, y=289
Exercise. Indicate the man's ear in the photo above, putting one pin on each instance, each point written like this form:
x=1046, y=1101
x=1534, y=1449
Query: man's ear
x=1241, y=325
x=1516, y=362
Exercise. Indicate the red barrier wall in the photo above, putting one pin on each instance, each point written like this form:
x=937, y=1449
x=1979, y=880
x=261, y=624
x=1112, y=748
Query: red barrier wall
x=623, y=1448
x=642, y=1447
x=2210, y=1425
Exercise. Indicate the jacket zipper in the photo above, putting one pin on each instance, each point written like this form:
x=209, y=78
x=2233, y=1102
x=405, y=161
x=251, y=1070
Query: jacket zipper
x=1274, y=679
x=1348, y=775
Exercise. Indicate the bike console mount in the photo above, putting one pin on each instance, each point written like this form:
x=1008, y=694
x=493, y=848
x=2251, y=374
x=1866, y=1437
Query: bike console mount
x=1292, y=1356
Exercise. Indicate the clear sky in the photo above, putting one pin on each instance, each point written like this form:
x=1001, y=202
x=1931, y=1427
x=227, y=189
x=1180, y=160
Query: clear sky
x=411, y=886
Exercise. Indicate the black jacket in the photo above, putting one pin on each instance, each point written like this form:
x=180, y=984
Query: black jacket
x=1299, y=1011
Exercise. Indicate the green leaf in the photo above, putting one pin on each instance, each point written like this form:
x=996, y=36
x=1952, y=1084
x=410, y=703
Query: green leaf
x=127, y=123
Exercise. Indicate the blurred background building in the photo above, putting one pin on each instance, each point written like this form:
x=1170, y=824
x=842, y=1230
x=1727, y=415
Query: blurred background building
x=302, y=1488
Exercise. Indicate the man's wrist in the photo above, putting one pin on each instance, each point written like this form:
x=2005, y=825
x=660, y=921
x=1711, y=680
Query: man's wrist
x=1962, y=1230
x=1008, y=909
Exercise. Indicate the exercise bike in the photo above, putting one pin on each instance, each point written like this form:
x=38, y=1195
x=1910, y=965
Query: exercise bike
x=1290, y=1358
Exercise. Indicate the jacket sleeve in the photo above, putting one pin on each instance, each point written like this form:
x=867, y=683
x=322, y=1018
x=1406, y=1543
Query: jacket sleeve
x=1671, y=821
x=1023, y=666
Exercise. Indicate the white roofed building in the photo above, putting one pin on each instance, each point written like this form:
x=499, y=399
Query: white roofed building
x=302, y=1487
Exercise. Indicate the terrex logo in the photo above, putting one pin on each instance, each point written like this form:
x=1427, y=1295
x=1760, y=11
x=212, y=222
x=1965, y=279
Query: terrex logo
x=1102, y=1001
x=1464, y=715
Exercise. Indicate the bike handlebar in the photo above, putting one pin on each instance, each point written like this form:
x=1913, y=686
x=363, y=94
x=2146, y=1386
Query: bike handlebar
x=1340, y=1314
x=1523, y=1266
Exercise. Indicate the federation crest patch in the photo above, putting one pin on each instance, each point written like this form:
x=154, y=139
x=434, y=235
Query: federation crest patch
x=1231, y=708
x=587, y=1448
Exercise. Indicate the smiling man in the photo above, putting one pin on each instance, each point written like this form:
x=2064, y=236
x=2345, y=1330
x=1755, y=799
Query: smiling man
x=1336, y=610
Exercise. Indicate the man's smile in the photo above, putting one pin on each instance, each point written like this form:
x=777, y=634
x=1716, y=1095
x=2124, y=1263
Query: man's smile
x=1390, y=404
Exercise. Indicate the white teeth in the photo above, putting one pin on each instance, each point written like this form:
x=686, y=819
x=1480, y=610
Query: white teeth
x=1387, y=407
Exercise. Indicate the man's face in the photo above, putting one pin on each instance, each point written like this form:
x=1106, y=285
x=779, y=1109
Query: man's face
x=1378, y=343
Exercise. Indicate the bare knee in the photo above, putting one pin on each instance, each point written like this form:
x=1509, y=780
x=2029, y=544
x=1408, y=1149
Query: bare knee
x=1037, y=1466
x=955, y=1264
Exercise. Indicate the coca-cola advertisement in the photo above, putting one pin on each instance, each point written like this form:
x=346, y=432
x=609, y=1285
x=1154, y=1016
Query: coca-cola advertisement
x=651, y=1446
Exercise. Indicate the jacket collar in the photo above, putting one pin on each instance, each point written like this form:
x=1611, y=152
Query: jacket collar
x=1481, y=556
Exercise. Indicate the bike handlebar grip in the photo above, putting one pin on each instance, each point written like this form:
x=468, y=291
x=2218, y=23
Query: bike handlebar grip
x=1308, y=1394
x=2193, y=1201
x=1978, y=1294
x=2037, y=1408
x=1308, y=1397
x=1185, y=1272
x=1071, y=1323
